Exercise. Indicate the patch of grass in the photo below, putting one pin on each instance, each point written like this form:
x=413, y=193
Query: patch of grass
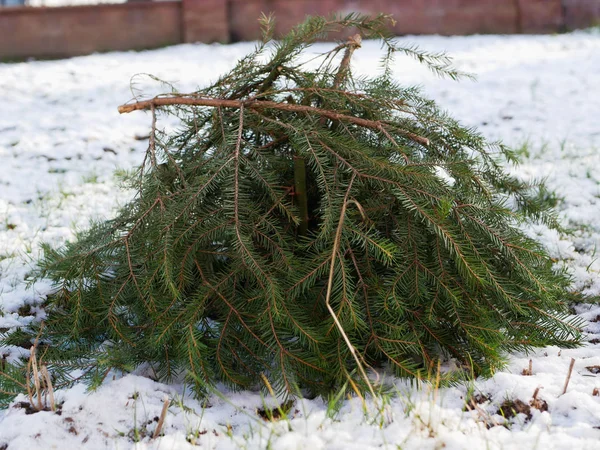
x=57, y=170
x=91, y=178
x=523, y=151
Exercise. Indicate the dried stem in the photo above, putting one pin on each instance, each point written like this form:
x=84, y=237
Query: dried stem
x=49, y=388
x=535, y=394
x=36, y=377
x=28, y=384
x=334, y=252
x=568, y=376
x=529, y=370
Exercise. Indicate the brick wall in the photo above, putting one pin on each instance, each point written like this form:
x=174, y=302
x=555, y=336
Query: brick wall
x=78, y=30
x=412, y=16
x=205, y=21
x=540, y=16
x=581, y=13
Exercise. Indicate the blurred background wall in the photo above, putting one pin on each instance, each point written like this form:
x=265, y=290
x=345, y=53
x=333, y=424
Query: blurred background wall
x=62, y=28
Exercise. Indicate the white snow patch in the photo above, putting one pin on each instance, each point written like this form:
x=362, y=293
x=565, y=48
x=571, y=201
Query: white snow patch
x=61, y=139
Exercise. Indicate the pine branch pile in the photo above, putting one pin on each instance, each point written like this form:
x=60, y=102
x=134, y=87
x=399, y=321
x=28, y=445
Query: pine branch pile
x=291, y=190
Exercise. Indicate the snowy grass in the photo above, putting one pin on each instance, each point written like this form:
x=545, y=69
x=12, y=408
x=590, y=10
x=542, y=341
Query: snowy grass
x=61, y=140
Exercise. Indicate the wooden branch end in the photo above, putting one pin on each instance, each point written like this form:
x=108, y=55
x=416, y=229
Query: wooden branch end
x=124, y=109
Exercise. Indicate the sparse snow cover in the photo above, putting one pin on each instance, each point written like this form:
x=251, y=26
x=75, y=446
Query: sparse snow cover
x=61, y=140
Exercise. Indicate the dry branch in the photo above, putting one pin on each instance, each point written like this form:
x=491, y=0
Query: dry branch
x=192, y=100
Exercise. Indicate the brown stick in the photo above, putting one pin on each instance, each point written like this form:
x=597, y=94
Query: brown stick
x=263, y=104
x=568, y=376
x=161, y=420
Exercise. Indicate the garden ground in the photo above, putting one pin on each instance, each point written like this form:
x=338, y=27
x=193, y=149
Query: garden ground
x=61, y=141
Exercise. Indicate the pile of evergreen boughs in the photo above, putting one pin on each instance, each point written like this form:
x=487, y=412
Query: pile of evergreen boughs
x=293, y=190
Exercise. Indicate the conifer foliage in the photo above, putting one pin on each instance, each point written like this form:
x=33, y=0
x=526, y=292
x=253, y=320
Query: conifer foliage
x=301, y=219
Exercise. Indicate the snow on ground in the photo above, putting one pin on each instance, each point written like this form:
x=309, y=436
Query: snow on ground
x=61, y=140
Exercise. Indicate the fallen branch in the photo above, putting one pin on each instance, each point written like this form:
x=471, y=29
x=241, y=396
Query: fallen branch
x=192, y=100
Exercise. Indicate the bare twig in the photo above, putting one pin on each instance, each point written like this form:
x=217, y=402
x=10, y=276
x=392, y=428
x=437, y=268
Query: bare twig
x=161, y=420
x=193, y=100
x=343, y=69
x=353, y=43
x=568, y=376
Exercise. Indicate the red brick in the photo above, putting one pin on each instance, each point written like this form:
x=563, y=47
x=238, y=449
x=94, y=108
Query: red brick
x=540, y=16
x=412, y=16
x=205, y=21
x=581, y=13
x=80, y=30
